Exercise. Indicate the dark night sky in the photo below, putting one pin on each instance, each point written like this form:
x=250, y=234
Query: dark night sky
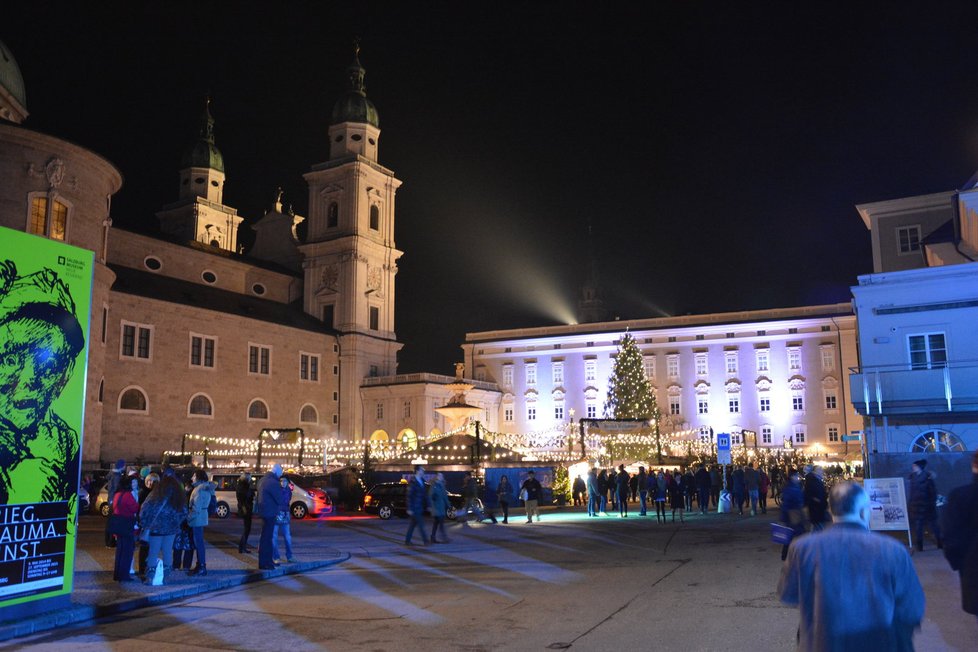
x=717, y=151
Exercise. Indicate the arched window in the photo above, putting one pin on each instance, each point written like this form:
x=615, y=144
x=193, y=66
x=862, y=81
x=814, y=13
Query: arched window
x=408, y=438
x=937, y=441
x=379, y=435
x=308, y=414
x=375, y=218
x=101, y=389
x=258, y=409
x=333, y=215
x=133, y=399
x=200, y=406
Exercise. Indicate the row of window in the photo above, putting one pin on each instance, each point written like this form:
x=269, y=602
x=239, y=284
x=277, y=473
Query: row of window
x=137, y=344
x=799, y=435
x=154, y=264
x=701, y=365
x=134, y=400
x=333, y=216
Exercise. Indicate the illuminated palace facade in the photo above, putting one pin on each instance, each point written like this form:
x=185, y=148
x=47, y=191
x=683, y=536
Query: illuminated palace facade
x=779, y=373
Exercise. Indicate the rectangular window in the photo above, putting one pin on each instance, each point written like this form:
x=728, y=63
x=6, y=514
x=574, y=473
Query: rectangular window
x=373, y=371
x=259, y=359
x=105, y=322
x=531, y=374
x=48, y=219
x=309, y=367
x=833, y=432
x=797, y=401
x=136, y=341
x=736, y=439
x=828, y=358
x=531, y=413
x=559, y=411
x=734, y=404
x=927, y=351
x=336, y=419
x=702, y=406
x=908, y=238
x=329, y=315
x=831, y=403
x=558, y=373
x=730, y=361
x=672, y=366
x=799, y=430
x=701, y=364
x=507, y=375
x=763, y=360
x=590, y=371
x=336, y=370
x=406, y=411
x=794, y=359
x=674, y=405
x=374, y=318
x=336, y=396
x=591, y=408
x=764, y=404
x=766, y=435
x=202, y=350
x=649, y=363
x=380, y=411
x=508, y=414
x=704, y=434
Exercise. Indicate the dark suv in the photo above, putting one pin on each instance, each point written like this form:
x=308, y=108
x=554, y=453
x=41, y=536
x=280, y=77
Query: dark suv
x=389, y=498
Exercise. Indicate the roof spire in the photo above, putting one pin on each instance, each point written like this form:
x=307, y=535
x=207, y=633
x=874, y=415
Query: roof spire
x=355, y=71
x=207, y=121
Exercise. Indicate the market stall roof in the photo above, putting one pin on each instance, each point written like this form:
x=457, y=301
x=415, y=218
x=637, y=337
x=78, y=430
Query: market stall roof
x=455, y=450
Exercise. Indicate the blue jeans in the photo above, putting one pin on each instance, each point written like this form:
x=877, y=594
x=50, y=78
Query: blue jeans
x=704, y=500
x=266, y=543
x=417, y=521
x=161, y=546
x=286, y=530
x=198, y=534
x=623, y=502
x=753, y=499
x=604, y=503
x=935, y=529
x=643, y=495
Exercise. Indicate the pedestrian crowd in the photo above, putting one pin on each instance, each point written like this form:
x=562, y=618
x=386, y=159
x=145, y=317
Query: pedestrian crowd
x=156, y=521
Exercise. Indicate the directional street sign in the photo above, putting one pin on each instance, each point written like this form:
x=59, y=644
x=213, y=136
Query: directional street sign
x=723, y=448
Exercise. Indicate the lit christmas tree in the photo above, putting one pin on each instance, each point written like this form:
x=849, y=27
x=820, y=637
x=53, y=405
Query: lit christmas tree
x=630, y=396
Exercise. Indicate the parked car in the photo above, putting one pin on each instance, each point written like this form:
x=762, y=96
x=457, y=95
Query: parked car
x=389, y=498
x=305, y=501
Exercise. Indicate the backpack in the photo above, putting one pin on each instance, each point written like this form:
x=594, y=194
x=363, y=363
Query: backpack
x=212, y=506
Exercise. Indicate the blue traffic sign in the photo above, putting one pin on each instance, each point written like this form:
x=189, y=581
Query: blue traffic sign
x=723, y=441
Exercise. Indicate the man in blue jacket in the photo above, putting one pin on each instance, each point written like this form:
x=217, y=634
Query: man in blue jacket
x=270, y=503
x=417, y=500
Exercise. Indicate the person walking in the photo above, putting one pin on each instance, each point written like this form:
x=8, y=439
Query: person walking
x=816, y=498
x=854, y=589
x=739, y=487
x=603, y=492
x=244, y=492
x=504, y=494
x=269, y=505
x=532, y=490
x=752, y=481
x=125, y=509
x=792, y=509
x=659, y=490
x=162, y=513
x=593, y=499
x=763, y=483
x=112, y=485
x=961, y=537
x=613, y=488
x=677, y=497
x=922, y=505
x=702, y=479
x=470, y=494
x=689, y=488
x=716, y=483
x=438, y=499
x=417, y=499
x=283, y=524
x=197, y=519
x=623, y=482
x=642, y=482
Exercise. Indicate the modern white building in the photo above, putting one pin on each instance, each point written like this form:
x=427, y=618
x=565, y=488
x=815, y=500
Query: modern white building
x=780, y=373
x=918, y=380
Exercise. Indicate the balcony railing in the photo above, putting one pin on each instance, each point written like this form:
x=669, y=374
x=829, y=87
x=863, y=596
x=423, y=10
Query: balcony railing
x=899, y=389
x=419, y=378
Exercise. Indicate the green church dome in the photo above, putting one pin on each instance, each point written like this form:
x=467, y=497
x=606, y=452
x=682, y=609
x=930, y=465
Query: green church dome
x=354, y=106
x=204, y=153
x=10, y=77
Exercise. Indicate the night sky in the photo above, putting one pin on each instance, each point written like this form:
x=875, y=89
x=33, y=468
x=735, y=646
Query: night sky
x=717, y=152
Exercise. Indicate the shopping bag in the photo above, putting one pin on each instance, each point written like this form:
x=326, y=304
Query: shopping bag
x=781, y=533
x=158, y=573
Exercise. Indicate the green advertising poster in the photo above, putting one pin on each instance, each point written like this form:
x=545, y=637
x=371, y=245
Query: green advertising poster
x=45, y=303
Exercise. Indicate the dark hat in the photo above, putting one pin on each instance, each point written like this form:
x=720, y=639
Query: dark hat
x=921, y=463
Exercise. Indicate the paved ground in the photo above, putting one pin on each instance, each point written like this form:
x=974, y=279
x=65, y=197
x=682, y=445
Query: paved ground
x=568, y=582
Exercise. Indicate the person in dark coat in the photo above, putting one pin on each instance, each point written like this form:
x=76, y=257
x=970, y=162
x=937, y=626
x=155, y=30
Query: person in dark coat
x=739, y=488
x=716, y=483
x=244, y=491
x=112, y=485
x=922, y=505
x=961, y=538
x=593, y=499
x=689, y=488
x=816, y=499
x=752, y=480
x=534, y=491
x=763, y=483
x=438, y=499
x=792, y=509
x=579, y=490
x=504, y=494
x=269, y=505
x=603, y=492
x=417, y=500
x=642, y=481
x=677, y=497
x=702, y=479
x=658, y=489
x=622, y=490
